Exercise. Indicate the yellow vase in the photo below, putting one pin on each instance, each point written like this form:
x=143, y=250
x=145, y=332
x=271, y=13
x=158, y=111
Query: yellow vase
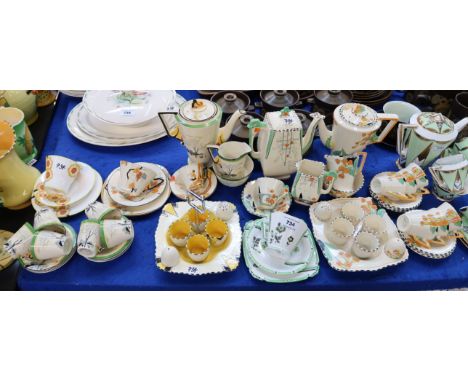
x=23, y=100
x=16, y=178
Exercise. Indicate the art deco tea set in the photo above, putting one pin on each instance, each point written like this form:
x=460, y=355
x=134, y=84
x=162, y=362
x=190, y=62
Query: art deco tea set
x=198, y=237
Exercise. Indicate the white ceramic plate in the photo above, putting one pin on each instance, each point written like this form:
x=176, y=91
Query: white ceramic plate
x=341, y=258
x=127, y=107
x=113, y=186
x=439, y=252
x=81, y=187
x=225, y=261
x=254, y=228
x=177, y=182
x=250, y=200
x=140, y=210
x=75, y=130
x=391, y=205
x=53, y=264
x=81, y=204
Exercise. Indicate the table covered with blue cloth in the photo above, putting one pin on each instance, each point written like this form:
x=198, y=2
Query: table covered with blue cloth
x=136, y=269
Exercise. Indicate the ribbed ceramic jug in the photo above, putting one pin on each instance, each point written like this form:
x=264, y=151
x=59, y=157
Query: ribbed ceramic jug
x=17, y=179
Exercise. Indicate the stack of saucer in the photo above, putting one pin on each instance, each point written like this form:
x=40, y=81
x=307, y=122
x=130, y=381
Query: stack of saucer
x=47, y=246
x=136, y=188
x=66, y=186
x=121, y=118
x=105, y=235
x=280, y=249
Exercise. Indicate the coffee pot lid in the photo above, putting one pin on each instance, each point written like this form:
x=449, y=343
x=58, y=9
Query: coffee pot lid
x=357, y=115
x=435, y=122
x=198, y=110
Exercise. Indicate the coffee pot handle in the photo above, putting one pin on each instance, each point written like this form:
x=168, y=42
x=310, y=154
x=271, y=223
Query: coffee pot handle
x=363, y=157
x=393, y=120
x=170, y=124
x=210, y=149
x=328, y=174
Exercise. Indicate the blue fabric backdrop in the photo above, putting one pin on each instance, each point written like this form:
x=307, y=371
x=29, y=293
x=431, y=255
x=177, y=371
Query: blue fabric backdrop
x=136, y=270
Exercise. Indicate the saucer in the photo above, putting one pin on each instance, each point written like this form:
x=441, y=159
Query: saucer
x=140, y=210
x=146, y=197
x=5, y=259
x=180, y=190
x=81, y=187
x=391, y=205
x=252, y=247
x=249, y=167
x=358, y=183
x=52, y=264
x=439, y=252
x=250, y=199
x=80, y=205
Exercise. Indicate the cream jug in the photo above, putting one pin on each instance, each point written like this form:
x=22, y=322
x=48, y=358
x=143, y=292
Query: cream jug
x=280, y=143
x=197, y=125
x=354, y=127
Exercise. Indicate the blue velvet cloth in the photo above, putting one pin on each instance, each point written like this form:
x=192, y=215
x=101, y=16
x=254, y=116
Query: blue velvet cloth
x=136, y=269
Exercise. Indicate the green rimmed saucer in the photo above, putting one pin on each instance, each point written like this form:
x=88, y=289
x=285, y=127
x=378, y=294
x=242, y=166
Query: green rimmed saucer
x=52, y=264
x=5, y=259
x=310, y=270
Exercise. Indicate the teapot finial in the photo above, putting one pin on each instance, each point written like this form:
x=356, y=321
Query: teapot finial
x=255, y=123
x=285, y=111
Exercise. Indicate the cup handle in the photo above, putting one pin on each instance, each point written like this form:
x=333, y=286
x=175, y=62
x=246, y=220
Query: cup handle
x=210, y=148
x=170, y=125
x=363, y=156
x=327, y=174
x=424, y=191
x=393, y=120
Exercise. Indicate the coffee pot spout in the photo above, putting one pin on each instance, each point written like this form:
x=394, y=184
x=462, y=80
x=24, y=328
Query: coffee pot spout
x=326, y=135
x=317, y=119
x=225, y=132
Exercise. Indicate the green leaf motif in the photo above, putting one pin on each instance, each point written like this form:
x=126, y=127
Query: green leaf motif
x=402, y=181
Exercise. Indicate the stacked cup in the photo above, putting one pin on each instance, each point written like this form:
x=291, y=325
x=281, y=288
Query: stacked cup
x=105, y=235
x=49, y=239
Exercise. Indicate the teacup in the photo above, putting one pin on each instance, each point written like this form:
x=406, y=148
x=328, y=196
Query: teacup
x=230, y=161
x=339, y=230
x=115, y=232
x=89, y=241
x=449, y=174
x=405, y=184
x=461, y=147
x=366, y=245
x=311, y=181
x=376, y=224
x=198, y=220
x=100, y=211
x=198, y=247
x=179, y=232
x=24, y=145
x=431, y=227
x=395, y=248
x=47, y=218
x=347, y=168
x=19, y=245
x=285, y=232
x=353, y=212
x=217, y=231
x=270, y=192
x=50, y=245
x=134, y=179
x=60, y=173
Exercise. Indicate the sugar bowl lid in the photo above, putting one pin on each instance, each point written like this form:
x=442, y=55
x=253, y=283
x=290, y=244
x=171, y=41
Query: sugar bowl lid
x=357, y=115
x=198, y=110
